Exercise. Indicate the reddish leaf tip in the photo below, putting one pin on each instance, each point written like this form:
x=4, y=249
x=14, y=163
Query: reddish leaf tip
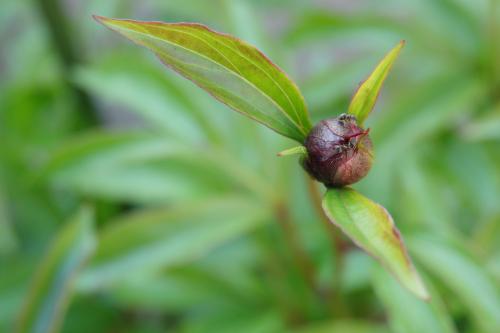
x=98, y=18
x=102, y=19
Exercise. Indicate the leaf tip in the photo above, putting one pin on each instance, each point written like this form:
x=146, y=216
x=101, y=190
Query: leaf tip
x=397, y=49
x=99, y=18
x=424, y=295
x=418, y=287
x=292, y=151
x=106, y=21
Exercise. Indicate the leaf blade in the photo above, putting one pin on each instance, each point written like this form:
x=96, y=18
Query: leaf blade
x=51, y=287
x=371, y=227
x=430, y=317
x=158, y=238
x=232, y=71
x=466, y=278
x=364, y=99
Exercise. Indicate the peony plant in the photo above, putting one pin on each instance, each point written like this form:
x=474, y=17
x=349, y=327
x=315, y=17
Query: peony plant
x=337, y=152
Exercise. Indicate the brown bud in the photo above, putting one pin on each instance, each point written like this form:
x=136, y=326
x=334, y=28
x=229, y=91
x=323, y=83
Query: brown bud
x=339, y=152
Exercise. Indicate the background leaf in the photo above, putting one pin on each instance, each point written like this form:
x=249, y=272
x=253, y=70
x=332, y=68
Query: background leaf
x=231, y=70
x=464, y=277
x=408, y=314
x=344, y=326
x=371, y=227
x=52, y=284
x=153, y=240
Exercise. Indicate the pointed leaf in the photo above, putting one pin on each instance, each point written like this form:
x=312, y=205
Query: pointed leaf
x=52, y=284
x=234, y=72
x=293, y=151
x=365, y=97
x=371, y=227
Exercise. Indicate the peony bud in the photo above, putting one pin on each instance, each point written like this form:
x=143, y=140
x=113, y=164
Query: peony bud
x=339, y=152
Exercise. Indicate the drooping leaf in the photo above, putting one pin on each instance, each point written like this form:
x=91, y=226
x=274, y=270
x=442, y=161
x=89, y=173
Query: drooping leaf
x=158, y=238
x=468, y=281
x=52, y=284
x=428, y=317
x=365, y=97
x=234, y=72
x=371, y=227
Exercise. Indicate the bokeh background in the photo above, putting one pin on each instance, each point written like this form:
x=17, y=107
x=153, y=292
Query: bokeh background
x=132, y=202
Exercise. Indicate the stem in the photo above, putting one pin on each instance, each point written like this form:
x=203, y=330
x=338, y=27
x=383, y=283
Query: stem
x=60, y=33
x=302, y=261
x=336, y=241
x=494, y=27
x=277, y=275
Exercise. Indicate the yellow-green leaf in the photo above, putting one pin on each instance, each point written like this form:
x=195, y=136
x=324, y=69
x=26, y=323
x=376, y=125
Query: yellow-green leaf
x=371, y=227
x=365, y=97
x=52, y=283
x=231, y=70
x=293, y=151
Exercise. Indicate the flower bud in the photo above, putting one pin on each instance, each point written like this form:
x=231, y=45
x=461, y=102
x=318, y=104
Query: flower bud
x=339, y=152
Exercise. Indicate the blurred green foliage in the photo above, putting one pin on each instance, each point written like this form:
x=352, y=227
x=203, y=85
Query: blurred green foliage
x=198, y=226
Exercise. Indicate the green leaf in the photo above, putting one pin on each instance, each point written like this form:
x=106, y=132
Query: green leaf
x=344, y=326
x=123, y=166
x=429, y=317
x=484, y=128
x=158, y=238
x=145, y=168
x=187, y=288
x=293, y=151
x=235, y=318
x=365, y=97
x=160, y=105
x=8, y=239
x=234, y=72
x=371, y=227
x=52, y=284
x=464, y=277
